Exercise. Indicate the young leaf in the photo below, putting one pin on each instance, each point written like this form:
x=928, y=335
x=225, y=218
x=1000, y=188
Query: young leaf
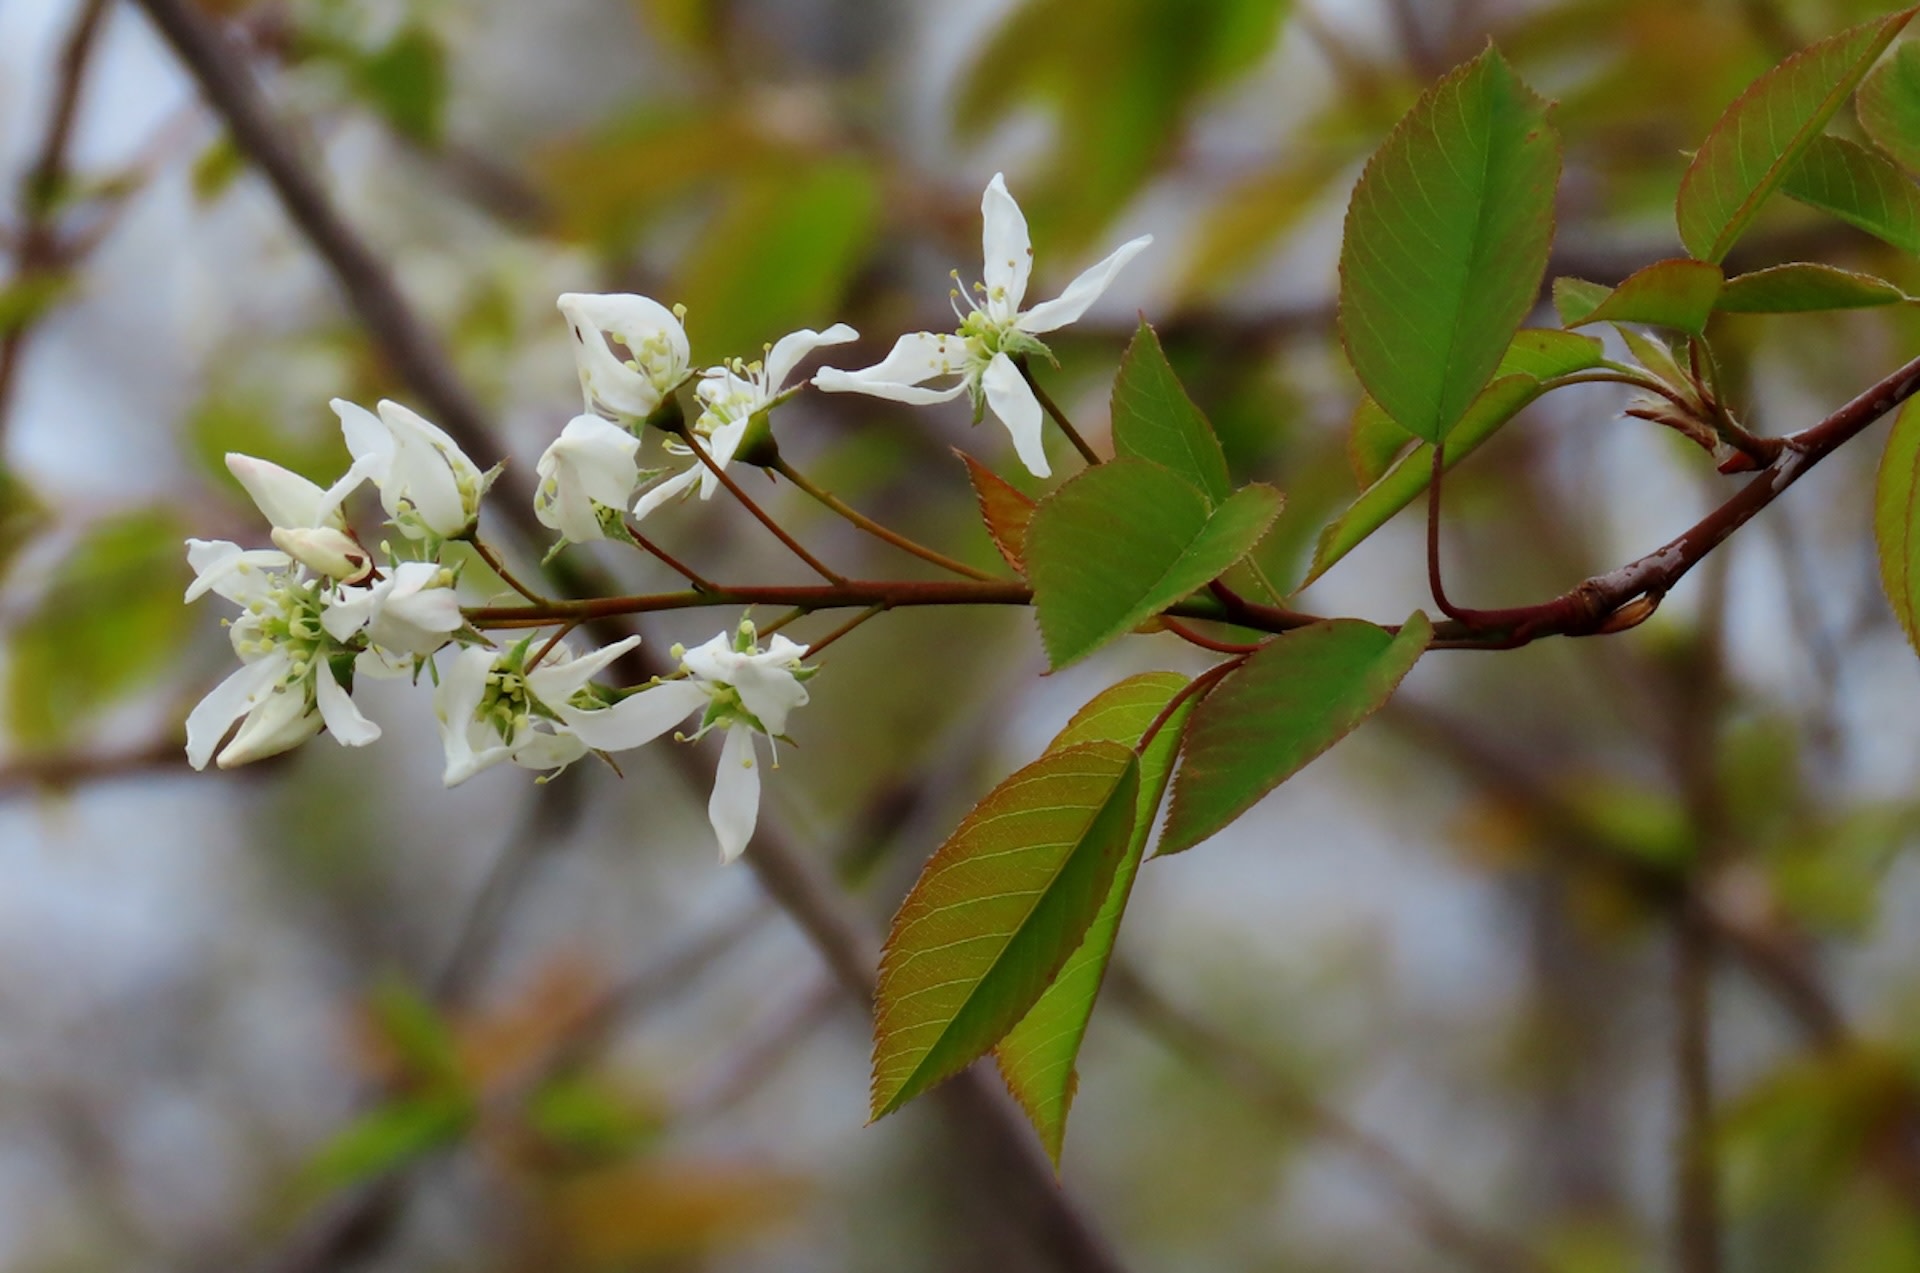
x=1404, y=482
x=1762, y=134
x=1862, y=187
x=997, y=911
x=1896, y=519
x=385, y=1138
x=1374, y=442
x=1446, y=242
x=1036, y=1057
x=1888, y=106
x=1299, y=695
x=1575, y=298
x=1004, y=509
x=1804, y=287
x=1153, y=419
x=1677, y=294
x=1122, y=542
x=1544, y=353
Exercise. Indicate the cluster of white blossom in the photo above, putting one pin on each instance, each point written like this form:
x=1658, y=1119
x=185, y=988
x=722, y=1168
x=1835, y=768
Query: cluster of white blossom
x=319, y=611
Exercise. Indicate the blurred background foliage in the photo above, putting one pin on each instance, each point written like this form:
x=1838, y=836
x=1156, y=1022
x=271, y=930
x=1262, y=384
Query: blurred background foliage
x=1419, y=1012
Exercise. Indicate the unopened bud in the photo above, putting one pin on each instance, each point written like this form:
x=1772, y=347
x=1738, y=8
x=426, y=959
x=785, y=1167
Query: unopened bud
x=325, y=550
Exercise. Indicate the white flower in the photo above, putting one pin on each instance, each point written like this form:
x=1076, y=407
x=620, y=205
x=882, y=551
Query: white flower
x=730, y=397
x=589, y=467
x=414, y=610
x=288, y=685
x=736, y=685
x=308, y=524
x=628, y=389
x=991, y=333
x=427, y=484
x=491, y=709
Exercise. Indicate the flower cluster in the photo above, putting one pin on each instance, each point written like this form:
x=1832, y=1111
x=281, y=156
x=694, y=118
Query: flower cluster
x=320, y=610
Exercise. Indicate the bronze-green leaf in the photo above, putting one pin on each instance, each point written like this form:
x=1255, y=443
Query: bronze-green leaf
x=1036, y=1057
x=1805, y=287
x=1760, y=137
x=1299, y=695
x=998, y=910
x=1446, y=243
x=1678, y=294
x=1888, y=105
x=1862, y=187
x=1896, y=519
x=1153, y=419
x=1004, y=510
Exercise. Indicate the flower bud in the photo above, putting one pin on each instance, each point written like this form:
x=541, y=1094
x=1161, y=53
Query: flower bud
x=326, y=551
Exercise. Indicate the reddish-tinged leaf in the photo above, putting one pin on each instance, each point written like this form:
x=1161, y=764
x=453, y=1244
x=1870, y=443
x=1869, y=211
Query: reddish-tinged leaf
x=1761, y=136
x=1804, y=287
x=1888, y=105
x=1678, y=294
x=998, y=910
x=1036, y=1058
x=1299, y=695
x=1003, y=508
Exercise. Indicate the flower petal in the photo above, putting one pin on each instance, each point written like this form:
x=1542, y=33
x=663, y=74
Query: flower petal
x=735, y=804
x=555, y=683
x=915, y=357
x=1082, y=292
x=279, y=722
x=337, y=708
x=1011, y=398
x=283, y=497
x=1007, y=248
x=791, y=348
x=637, y=719
x=225, y=703
x=660, y=492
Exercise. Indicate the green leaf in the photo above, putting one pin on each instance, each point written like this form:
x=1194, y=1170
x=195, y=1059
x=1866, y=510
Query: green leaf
x=781, y=256
x=1446, y=243
x=1153, y=419
x=110, y=624
x=1678, y=294
x=386, y=1138
x=1862, y=187
x=1888, y=106
x=407, y=82
x=1896, y=519
x=1804, y=287
x=998, y=910
x=1408, y=478
x=1574, y=298
x=1004, y=509
x=1374, y=442
x=417, y=1032
x=1760, y=137
x=1036, y=1057
x=1120, y=543
x=1543, y=353
x=1299, y=695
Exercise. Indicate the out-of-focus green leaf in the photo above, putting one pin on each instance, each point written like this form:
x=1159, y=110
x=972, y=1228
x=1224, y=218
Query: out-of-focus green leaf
x=1678, y=294
x=1122, y=77
x=406, y=82
x=1155, y=420
x=226, y=421
x=780, y=257
x=1004, y=509
x=1446, y=242
x=386, y=1138
x=1408, y=478
x=1037, y=1056
x=693, y=25
x=1301, y=693
x=1764, y=132
x=1862, y=187
x=1805, y=287
x=417, y=1032
x=603, y=186
x=589, y=1117
x=1122, y=542
x=24, y=299
x=109, y=624
x=1896, y=519
x=998, y=910
x=1257, y=211
x=1809, y=1125
x=22, y=516
x=1888, y=105
x=216, y=168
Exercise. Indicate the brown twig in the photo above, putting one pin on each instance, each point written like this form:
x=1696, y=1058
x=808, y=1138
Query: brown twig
x=1058, y=416
x=759, y=514
x=867, y=524
x=665, y=558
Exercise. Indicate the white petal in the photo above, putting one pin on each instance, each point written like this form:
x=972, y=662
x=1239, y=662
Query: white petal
x=602, y=455
x=555, y=683
x=637, y=719
x=915, y=358
x=238, y=574
x=1011, y=398
x=232, y=698
x=639, y=323
x=280, y=722
x=791, y=348
x=660, y=492
x=1008, y=250
x=370, y=442
x=337, y=708
x=282, y=496
x=426, y=470
x=540, y=750
x=1082, y=292
x=462, y=685
x=325, y=551
x=735, y=804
